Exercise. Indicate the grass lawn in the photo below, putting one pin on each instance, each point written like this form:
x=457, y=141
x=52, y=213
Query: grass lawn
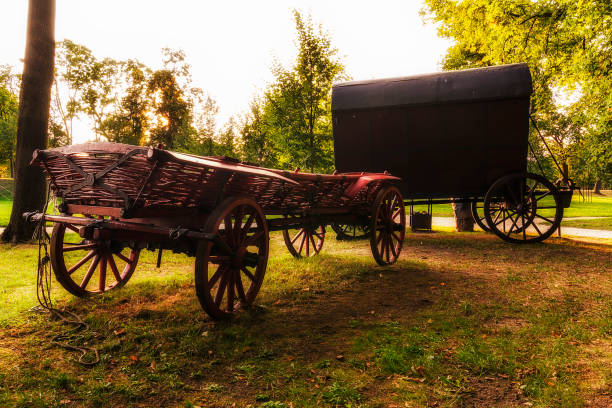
x=599, y=223
x=5, y=212
x=600, y=207
x=461, y=320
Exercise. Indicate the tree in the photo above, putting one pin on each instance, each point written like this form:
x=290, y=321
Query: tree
x=204, y=123
x=90, y=82
x=129, y=122
x=171, y=109
x=228, y=140
x=8, y=118
x=8, y=127
x=299, y=101
x=33, y=117
x=174, y=102
x=255, y=133
x=568, y=47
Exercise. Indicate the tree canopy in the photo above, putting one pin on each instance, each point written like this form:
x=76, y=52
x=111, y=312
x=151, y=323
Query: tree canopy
x=8, y=119
x=298, y=103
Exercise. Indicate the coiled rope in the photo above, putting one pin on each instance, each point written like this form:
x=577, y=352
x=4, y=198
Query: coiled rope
x=69, y=338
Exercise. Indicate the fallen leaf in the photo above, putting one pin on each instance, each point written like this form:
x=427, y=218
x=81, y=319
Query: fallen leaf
x=204, y=334
x=340, y=357
x=442, y=283
x=119, y=332
x=134, y=358
x=411, y=379
x=290, y=358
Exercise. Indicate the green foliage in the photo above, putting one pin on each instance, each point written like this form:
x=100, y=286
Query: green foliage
x=568, y=47
x=227, y=140
x=8, y=118
x=91, y=83
x=257, y=144
x=130, y=103
x=171, y=109
x=274, y=404
x=297, y=104
x=129, y=122
x=339, y=394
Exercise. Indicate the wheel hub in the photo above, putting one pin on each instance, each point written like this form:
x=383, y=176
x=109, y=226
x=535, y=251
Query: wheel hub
x=238, y=258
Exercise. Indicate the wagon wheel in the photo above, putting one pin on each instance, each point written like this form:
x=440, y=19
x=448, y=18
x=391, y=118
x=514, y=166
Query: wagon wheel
x=111, y=263
x=388, y=226
x=350, y=232
x=306, y=242
x=227, y=282
x=478, y=215
x=523, y=208
x=481, y=220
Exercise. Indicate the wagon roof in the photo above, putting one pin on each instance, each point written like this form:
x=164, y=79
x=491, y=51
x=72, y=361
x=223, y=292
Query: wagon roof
x=497, y=82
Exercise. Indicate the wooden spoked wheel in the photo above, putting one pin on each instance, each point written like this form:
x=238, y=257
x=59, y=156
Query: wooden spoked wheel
x=306, y=241
x=228, y=282
x=350, y=232
x=523, y=208
x=388, y=226
x=88, y=267
x=478, y=215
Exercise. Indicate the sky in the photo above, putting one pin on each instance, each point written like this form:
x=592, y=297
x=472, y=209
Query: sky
x=232, y=44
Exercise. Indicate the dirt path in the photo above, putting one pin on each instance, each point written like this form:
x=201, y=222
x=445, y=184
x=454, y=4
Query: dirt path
x=565, y=231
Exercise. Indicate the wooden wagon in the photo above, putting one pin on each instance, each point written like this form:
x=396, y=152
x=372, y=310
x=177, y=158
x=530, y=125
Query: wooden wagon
x=460, y=135
x=116, y=200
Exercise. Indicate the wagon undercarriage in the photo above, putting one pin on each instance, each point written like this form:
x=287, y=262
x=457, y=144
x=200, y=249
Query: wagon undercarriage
x=112, y=207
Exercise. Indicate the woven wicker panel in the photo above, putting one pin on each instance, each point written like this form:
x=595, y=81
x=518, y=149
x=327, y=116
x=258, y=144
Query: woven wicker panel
x=171, y=184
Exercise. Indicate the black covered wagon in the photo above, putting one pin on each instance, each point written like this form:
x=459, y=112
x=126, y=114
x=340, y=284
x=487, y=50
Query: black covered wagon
x=460, y=134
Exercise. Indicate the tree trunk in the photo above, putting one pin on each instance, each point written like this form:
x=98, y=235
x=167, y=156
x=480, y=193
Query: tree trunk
x=463, y=217
x=597, y=187
x=32, y=122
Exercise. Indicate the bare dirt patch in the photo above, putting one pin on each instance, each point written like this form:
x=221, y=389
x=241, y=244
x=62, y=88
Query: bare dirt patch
x=492, y=392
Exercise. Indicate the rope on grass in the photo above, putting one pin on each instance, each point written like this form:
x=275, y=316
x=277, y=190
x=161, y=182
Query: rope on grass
x=68, y=337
